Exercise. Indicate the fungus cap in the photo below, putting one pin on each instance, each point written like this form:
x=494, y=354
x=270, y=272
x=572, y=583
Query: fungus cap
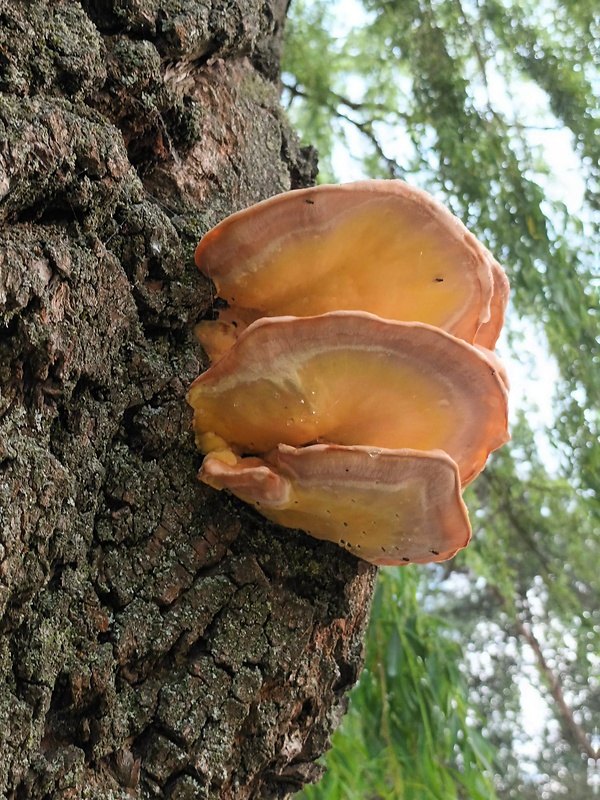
x=489, y=331
x=380, y=246
x=349, y=377
x=385, y=506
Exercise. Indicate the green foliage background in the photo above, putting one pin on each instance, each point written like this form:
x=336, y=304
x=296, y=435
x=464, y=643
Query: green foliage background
x=462, y=98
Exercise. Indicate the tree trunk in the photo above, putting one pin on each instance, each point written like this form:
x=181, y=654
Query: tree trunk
x=159, y=639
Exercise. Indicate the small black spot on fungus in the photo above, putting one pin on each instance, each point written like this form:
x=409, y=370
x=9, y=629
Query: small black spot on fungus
x=345, y=524
x=435, y=552
x=493, y=372
x=310, y=202
x=438, y=280
x=405, y=559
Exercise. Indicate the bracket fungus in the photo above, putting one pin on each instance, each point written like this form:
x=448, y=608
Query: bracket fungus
x=354, y=392
x=386, y=506
x=379, y=246
x=349, y=377
x=489, y=331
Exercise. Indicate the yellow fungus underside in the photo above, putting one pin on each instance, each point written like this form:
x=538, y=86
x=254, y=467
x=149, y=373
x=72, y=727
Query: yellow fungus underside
x=332, y=397
x=355, y=519
x=389, y=271
x=414, y=513
x=410, y=398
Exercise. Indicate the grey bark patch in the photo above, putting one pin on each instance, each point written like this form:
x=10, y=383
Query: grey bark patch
x=52, y=48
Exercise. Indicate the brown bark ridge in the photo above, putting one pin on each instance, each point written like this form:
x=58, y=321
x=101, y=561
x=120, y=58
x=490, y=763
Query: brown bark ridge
x=158, y=639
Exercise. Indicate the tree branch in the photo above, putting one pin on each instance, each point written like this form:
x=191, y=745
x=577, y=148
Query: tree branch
x=365, y=127
x=571, y=727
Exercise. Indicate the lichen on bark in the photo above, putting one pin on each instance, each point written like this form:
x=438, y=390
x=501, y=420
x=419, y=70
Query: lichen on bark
x=158, y=638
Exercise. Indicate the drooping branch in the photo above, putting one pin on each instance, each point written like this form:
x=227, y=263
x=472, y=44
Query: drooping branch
x=510, y=509
x=572, y=729
x=365, y=127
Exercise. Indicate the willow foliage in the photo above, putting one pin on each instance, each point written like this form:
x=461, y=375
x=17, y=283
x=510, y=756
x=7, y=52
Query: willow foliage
x=466, y=98
x=413, y=692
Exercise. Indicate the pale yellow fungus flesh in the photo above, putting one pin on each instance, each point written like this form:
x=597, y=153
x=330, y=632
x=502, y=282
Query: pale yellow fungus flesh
x=378, y=246
x=386, y=506
x=353, y=379
x=354, y=391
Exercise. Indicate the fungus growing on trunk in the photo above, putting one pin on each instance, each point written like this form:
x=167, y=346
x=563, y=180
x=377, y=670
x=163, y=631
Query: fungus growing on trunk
x=354, y=391
x=378, y=246
x=386, y=506
x=351, y=378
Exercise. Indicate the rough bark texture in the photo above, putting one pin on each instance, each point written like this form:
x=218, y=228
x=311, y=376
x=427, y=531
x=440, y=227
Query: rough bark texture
x=158, y=639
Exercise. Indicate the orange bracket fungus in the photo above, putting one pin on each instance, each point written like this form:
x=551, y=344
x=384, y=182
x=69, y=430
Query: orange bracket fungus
x=349, y=377
x=386, y=506
x=378, y=246
x=354, y=392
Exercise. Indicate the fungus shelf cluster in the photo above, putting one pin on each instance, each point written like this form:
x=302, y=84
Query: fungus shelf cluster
x=354, y=390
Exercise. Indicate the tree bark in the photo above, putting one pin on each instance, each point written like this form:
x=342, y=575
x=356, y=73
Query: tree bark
x=158, y=639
